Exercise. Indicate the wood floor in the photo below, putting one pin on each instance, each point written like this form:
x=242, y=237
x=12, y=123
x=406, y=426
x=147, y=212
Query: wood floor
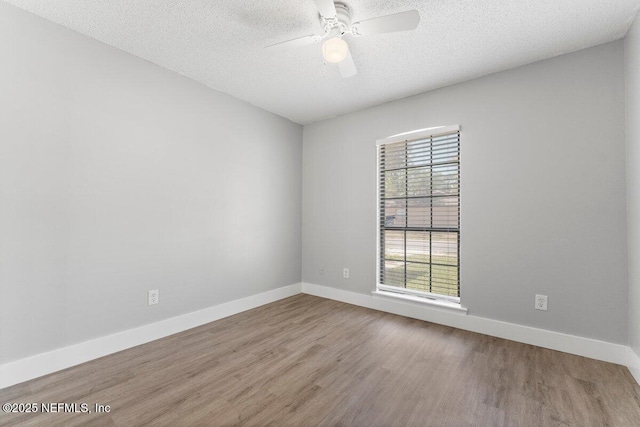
x=307, y=361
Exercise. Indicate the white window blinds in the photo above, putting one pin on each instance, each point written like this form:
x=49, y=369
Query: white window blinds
x=419, y=213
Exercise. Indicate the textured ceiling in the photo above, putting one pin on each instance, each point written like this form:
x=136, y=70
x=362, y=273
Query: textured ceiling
x=220, y=43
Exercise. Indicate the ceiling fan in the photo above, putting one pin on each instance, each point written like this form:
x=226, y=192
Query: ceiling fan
x=335, y=20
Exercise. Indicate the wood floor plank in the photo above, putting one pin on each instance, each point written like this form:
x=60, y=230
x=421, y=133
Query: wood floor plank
x=306, y=361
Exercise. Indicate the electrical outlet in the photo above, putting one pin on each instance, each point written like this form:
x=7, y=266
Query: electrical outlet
x=322, y=269
x=345, y=273
x=541, y=302
x=153, y=297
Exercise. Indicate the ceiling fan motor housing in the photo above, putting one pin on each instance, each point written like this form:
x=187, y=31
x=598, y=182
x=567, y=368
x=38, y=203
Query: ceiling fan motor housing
x=339, y=25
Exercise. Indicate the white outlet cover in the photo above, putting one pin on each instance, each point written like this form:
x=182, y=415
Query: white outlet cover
x=345, y=273
x=541, y=302
x=153, y=297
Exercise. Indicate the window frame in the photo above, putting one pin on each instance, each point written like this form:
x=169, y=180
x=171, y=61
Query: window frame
x=415, y=135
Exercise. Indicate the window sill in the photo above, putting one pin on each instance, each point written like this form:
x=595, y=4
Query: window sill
x=449, y=305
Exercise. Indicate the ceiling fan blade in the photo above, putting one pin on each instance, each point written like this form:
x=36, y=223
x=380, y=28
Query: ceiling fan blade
x=291, y=44
x=402, y=21
x=347, y=67
x=327, y=8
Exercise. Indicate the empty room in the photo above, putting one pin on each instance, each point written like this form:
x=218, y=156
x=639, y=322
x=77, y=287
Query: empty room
x=319, y=213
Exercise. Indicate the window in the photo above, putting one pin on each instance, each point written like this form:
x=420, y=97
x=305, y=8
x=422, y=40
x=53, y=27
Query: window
x=419, y=213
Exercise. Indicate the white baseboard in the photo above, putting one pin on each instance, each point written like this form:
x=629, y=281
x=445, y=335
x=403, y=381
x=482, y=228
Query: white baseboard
x=633, y=364
x=595, y=349
x=62, y=358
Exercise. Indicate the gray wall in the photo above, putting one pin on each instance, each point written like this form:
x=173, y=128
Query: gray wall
x=632, y=80
x=543, y=192
x=117, y=176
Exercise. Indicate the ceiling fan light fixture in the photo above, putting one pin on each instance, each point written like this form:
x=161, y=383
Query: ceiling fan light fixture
x=335, y=22
x=335, y=50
